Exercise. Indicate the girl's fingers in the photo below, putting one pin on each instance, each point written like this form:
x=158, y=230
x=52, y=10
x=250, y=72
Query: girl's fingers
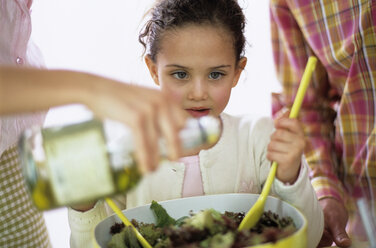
x=285, y=161
x=283, y=154
x=281, y=147
x=286, y=143
x=286, y=147
x=283, y=113
x=282, y=135
x=290, y=124
x=279, y=157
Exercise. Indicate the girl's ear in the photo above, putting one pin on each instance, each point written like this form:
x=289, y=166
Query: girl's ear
x=152, y=69
x=238, y=70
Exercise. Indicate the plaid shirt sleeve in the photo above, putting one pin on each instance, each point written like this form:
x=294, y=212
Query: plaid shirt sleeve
x=339, y=109
x=291, y=52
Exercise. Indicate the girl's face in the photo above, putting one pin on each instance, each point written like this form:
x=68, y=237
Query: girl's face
x=196, y=66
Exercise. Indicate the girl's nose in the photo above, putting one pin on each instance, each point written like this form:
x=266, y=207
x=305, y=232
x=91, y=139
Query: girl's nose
x=198, y=91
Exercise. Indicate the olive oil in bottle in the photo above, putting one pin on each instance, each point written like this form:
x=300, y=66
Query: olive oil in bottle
x=83, y=162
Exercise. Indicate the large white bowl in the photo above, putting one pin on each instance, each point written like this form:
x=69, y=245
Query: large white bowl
x=221, y=202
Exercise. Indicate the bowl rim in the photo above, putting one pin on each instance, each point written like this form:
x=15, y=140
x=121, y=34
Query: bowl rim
x=299, y=232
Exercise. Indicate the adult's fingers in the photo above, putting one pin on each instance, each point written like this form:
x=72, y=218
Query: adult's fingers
x=150, y=114
x=340, y=236
x=171, y=122
x=335, y=216
x=162, y=121
x=145, y=140
x=147, y=133
x=326, y=239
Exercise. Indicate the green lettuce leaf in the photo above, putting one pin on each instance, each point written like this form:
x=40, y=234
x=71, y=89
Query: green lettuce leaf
x=163, y=218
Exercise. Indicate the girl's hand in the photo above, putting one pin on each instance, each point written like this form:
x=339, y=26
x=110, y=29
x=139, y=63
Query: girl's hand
x=286, y=148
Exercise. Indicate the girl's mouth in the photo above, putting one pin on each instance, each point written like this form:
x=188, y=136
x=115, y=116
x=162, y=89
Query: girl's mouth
x=199, y=112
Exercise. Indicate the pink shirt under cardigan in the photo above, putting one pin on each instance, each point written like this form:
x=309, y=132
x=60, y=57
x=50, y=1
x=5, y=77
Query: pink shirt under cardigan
x=192, y=184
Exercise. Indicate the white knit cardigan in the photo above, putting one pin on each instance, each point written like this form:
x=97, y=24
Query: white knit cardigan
x=236, y=164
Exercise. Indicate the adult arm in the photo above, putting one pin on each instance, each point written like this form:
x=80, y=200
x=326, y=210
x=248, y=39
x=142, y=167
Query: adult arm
x=291, y=52
x=149, y=113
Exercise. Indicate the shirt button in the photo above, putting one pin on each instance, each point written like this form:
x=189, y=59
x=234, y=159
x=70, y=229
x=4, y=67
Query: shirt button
x=19, y=61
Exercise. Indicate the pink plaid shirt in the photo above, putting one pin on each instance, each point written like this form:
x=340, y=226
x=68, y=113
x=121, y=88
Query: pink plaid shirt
x=339, y=110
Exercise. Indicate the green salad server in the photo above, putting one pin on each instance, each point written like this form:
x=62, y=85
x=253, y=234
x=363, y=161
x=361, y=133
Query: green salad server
x=255, y=213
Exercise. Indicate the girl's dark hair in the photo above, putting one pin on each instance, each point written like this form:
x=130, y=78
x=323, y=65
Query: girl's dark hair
x=170, y=14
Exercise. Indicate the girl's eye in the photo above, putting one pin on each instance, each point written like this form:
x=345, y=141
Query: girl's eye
x=215, y=75
x=180, y=75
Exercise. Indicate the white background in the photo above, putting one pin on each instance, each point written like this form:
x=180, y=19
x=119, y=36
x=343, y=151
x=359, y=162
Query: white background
x=101, y=37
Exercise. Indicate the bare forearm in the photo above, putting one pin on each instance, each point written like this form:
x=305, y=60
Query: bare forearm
x=148, y=112
x=29, y=90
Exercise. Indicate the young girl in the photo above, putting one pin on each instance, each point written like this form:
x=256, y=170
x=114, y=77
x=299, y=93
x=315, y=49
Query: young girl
x=194, y=53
